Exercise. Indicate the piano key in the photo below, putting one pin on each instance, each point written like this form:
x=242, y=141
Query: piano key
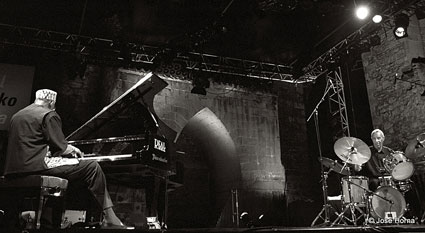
x=106, y=157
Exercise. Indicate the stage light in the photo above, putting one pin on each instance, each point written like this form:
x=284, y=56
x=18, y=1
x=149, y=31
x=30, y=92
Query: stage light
x=377, y=18
x=401, y=22
x=362, y=12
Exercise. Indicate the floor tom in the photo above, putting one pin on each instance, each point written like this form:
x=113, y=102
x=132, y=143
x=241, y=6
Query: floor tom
x=354, y=189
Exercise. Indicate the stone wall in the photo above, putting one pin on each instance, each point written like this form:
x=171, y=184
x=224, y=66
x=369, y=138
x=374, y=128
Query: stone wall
x=396, y=86
x=251, y=118
x=267, y=129
x=303, y=191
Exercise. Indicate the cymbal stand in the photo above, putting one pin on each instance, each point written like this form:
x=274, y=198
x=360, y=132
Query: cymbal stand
x=352, y=207
x=326, y=206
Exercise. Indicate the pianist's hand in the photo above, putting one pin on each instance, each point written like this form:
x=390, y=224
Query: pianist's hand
x=77, y=152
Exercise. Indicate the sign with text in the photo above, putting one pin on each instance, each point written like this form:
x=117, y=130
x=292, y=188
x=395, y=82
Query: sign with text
x=15, y=90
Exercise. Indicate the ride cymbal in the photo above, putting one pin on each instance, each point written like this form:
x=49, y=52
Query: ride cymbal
x=415, y=148
x=352, y=150
x=335, y=166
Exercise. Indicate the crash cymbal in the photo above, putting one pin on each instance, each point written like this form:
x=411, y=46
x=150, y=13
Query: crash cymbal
x=352, y=150
x=415, y=148
x=335, y=166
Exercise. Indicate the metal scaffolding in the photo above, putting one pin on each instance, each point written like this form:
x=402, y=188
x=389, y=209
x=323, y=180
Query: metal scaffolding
x=337, y=104
x=319, y=65
x=115, y=52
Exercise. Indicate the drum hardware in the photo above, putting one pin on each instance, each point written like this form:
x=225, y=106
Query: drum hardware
x=386, y=181
x=391, y=160
x=326, y=207
x=354, y=202
x=354, y=151
x=404, y=186
x=378, y=204
x=335, y=166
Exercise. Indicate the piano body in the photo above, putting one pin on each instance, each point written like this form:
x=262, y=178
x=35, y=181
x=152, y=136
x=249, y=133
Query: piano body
x=131, y=143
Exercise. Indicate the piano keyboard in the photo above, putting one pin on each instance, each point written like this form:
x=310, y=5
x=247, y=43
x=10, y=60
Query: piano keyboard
x=106, y=157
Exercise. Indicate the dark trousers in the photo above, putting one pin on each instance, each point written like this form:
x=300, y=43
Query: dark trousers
x=88, y=174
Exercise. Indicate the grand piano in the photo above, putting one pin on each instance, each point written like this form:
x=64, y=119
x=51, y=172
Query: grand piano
x=131, y=144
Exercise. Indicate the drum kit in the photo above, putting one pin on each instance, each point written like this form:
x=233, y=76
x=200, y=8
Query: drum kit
x=358, y=201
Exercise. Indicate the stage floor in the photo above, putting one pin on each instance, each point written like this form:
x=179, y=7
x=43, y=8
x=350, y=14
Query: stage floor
x=383, y=228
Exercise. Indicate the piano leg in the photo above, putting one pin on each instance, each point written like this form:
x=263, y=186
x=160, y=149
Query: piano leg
x=159, y=201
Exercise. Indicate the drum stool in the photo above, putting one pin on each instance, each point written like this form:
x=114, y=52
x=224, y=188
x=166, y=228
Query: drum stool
x=35, y=188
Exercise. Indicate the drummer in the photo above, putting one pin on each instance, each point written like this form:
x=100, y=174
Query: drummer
x=375, y=165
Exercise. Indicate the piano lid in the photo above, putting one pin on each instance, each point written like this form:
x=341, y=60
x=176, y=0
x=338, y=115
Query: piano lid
x=140, y=94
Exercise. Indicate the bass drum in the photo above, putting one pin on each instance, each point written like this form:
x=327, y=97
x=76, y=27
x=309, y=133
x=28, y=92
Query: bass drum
x=393, y=206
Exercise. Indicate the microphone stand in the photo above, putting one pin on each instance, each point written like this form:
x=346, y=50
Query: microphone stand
x=371, y=193
x=326, y=206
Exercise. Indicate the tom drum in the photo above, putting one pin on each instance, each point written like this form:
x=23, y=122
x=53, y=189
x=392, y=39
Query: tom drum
x=354, y=189
x=403, y=171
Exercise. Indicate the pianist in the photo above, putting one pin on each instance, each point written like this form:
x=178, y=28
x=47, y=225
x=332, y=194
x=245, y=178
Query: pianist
x=37, y=145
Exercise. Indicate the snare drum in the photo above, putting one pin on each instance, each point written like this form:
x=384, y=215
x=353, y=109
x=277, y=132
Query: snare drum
x=393, y=206
x=354, y=189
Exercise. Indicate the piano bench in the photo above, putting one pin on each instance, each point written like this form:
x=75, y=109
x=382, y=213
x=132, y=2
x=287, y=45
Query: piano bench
x=39, y=188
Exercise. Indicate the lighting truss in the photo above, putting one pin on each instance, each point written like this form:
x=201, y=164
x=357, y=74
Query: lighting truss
x=234, y=66
x=337, y=104
x=319, y=66
x=111, y=52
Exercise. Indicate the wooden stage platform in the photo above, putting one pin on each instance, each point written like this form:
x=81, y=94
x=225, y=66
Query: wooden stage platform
x=383, y=228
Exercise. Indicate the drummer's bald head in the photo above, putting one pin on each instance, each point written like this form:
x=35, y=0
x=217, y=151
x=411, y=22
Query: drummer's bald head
x=376, y=131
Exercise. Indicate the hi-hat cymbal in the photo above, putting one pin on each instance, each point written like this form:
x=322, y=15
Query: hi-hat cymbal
x=416, y=147
x=352, y=150
x=335, y=166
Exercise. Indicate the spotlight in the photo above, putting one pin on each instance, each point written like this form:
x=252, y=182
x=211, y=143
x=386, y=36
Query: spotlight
x=401, y=22
x=362, y=12
x=377, y=18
